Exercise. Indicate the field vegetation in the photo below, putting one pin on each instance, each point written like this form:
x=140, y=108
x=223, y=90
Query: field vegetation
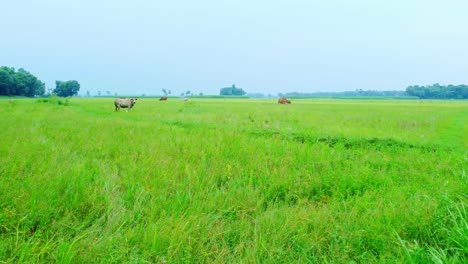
x=233, y=180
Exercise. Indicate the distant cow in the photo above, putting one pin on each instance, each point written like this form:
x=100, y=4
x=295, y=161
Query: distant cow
x=164, y=98
x=283, y=100
x=124, y=103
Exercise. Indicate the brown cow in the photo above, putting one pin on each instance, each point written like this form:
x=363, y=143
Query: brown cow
x=164, y=98
x=283, y=100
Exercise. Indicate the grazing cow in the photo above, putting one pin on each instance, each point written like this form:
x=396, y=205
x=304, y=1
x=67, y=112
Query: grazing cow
x=11, y=101
x=124, y=103
x=164, y=98
x=283, y=100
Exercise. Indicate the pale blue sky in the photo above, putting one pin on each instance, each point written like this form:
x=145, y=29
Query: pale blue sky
x=262, y=46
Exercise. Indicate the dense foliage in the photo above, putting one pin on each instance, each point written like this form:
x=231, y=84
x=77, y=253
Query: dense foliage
x=233, y=90
x=19, y=83
x=68, y=88
x=437, y=91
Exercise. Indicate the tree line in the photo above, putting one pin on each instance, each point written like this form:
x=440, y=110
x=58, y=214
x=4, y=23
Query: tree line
x=355, y=93
x=19, y=83
x=22, y=83
x=437, y=91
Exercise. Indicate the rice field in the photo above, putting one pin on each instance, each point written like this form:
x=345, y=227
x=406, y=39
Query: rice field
x=233, y=181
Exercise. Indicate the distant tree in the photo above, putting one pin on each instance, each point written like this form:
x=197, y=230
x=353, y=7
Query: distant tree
x=233, y=90
x=88, y=94
x=200, y=94
x=256, y=95
x=357, y=92
x=108, y=93
x=67, y=88
x=169, y=92
x=182, y=94
x=437, y=91
x=99, y=93
x=164, y=92
x=19, y=82
x=188, y=93
x=7, y=81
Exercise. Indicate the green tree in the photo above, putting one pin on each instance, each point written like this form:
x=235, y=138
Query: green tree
x=27, y=84
x=68, y=88
x=19, y=82
x=233, y=90
x=437, y=91
x=7, y=81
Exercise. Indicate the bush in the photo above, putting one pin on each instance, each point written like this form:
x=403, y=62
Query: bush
x=53, y=99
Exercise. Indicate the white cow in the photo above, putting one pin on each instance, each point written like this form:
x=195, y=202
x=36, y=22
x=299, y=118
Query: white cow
x=124, y=103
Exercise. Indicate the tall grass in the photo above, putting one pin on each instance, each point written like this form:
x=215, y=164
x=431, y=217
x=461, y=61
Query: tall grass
x=219, y=180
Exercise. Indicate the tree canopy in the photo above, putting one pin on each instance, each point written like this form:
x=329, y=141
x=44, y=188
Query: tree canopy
x=68, y=88
x=233, y=90
x=437, y=91
x=19, y=83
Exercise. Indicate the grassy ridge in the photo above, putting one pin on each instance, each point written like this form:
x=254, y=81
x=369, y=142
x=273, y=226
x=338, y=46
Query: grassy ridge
x=234, y=180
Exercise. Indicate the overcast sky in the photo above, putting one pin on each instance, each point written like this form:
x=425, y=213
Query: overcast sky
x=261, y=46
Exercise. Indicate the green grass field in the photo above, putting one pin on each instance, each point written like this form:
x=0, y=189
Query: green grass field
x=234, y=181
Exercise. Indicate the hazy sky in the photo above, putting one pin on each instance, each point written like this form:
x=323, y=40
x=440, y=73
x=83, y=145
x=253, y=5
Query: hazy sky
x=262, y=46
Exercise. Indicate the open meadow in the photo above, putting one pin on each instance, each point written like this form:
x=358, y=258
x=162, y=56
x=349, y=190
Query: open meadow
x=233, y=181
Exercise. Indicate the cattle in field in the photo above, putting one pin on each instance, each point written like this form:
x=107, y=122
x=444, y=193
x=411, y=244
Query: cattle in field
x=283, y=100
x=164, y=98
x=124, y=103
